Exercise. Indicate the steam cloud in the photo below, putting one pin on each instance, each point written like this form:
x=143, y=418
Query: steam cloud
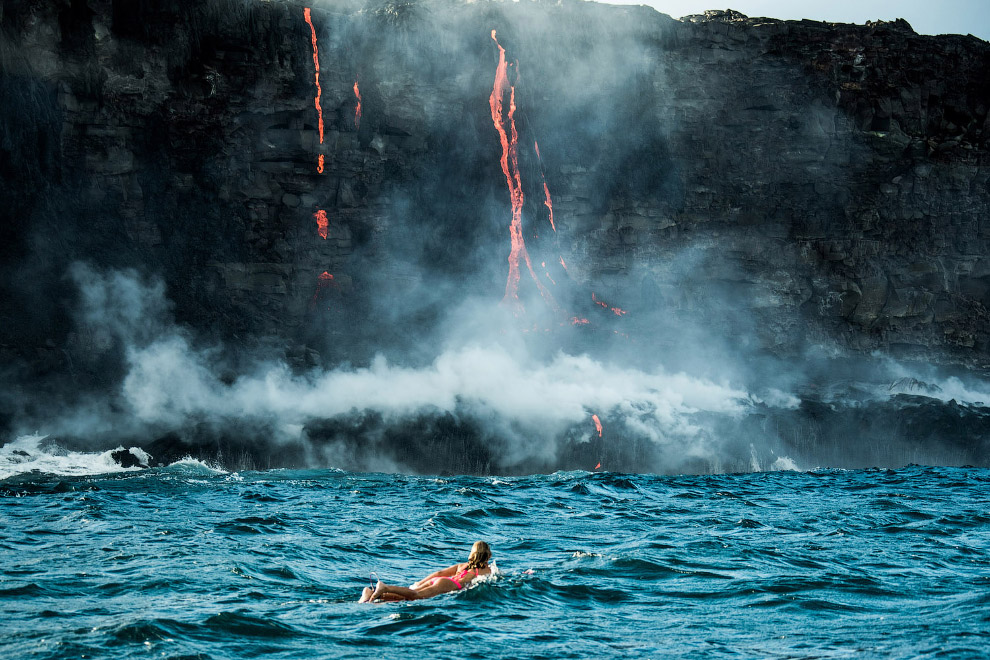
x=529, y=408
x=528, y=402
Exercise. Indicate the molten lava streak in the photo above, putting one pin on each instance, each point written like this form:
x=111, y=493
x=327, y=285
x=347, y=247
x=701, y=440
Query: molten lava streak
x=547, y=202
x=319, y=164
x=322, y=225
x=505, y=124
x=618, y=311
x=323, y=281
x=547, y=273
x=549, y=205
x=598, y=425
x=357, y=110
x=316, y=63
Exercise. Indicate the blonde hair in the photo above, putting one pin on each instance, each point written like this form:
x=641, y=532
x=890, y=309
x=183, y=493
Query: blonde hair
x=480, y=554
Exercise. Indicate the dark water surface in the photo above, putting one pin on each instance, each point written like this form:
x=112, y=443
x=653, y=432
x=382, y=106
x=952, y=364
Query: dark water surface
x=186, y=562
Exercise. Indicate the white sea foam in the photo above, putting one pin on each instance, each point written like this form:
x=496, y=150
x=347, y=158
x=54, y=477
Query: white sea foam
x=784, y=463
x=580, y=554
x=30, y=453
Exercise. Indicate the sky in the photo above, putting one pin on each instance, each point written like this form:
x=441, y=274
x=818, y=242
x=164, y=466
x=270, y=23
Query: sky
x=925, y=16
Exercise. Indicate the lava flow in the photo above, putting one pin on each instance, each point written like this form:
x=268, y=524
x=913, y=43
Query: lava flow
x=547, y=273
x=322, y=225
x=323, y=281
x=319, y=92
x=598, y=425
x=505, y=124
x=618, y=311
x=357, y=110
x=548, y=203
x=546, y=191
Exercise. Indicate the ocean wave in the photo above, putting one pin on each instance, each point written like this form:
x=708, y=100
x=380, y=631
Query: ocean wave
x=244, y=624
x=177, y=561
x=35, y=454
x=192, y=467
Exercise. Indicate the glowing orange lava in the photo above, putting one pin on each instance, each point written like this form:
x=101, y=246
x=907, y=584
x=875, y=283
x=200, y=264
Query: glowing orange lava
x=316, y=63
x=357, y=110
x=546, y=191
x=618, y=311
x=323, y=281
x=319, y=164
x=549, y=204
x=598, y=425
x=598, y=466
x=505, y=124
x=322, y=225
x=546, y=272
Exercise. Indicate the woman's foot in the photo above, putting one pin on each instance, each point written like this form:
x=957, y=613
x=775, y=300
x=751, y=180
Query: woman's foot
x=365, y=595
x=379, y=590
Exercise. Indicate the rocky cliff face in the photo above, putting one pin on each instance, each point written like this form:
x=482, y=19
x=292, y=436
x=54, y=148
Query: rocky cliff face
x=718, y=183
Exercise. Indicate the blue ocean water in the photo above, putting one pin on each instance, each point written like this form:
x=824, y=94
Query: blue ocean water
x=191, y=562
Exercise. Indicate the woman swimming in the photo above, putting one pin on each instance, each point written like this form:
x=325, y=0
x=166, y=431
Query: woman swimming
x=447, y=579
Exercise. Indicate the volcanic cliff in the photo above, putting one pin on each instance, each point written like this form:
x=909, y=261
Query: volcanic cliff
x=779, y=185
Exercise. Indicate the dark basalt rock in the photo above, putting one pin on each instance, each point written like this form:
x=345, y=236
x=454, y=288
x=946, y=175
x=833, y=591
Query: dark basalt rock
x=716, y=15
x=437, y=443
x=848, y=434
x=127, y=459
x=834, y=177
x=791, y=183
x=231, y=444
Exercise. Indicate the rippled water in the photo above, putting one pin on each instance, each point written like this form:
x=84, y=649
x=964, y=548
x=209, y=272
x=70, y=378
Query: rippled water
x=187, y=562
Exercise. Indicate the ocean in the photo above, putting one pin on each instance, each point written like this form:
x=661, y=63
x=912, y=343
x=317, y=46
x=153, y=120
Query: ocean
x=189, y=562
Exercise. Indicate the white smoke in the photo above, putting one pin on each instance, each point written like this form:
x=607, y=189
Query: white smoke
x=528, y=400
x=486, y=370
x=533, y=403
x=168, y=381
x=925, y=381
